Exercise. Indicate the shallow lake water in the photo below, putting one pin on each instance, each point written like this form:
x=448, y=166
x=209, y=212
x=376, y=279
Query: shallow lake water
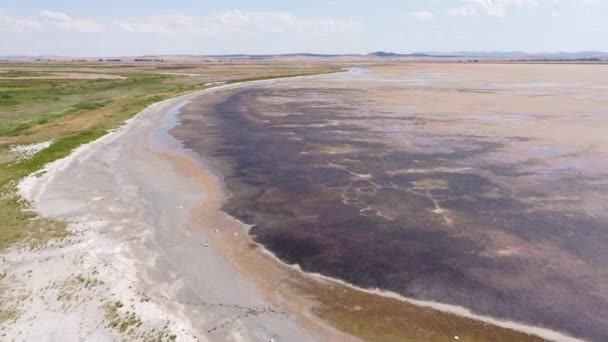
x=450, y=183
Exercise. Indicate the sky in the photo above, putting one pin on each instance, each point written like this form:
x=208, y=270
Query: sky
x=130, y=27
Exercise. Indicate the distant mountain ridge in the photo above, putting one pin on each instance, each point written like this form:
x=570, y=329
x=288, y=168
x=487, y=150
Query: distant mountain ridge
x=522, y=54
x=499, y=54
x=416, y=54
x=461, y=54
x=516, y=55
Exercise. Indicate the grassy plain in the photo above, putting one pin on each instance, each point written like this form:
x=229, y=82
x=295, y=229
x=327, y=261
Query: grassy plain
x=74, y=103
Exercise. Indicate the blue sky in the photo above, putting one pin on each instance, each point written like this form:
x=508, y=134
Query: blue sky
x=125, y=27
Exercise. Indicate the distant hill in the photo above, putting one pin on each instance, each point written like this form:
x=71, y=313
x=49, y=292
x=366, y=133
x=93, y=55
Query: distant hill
x=516, y=55
x=303, y=54
x=416, y=54
x=384, y=54
x=523, y=55
x=504, y=55
x=14, y=58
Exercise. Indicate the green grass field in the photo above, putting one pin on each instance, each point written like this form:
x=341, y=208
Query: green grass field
x=73, y=111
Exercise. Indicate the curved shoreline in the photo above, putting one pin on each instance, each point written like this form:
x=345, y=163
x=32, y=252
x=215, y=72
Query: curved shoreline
x=442, y=307
x=119, y=195
x=34, y=189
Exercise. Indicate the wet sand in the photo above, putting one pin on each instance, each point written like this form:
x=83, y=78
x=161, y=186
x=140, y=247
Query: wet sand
x=473, y=185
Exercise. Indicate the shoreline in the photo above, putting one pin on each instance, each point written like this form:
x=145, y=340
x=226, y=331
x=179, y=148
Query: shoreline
x=442, y=307
x=201, y=214
x=119, y=195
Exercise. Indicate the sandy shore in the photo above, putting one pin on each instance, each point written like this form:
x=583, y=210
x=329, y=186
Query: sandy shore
x=152, y=255
x=128, y=204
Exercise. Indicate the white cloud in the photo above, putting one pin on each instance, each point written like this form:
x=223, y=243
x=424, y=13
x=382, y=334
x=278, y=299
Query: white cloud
x=236, y=21
x=48, y=20
x=494, y=8
x=227, y=22
x=55, y=16
x=235, y=31
x=421, y=15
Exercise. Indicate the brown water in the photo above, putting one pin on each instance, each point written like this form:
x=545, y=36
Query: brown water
x=483, y=186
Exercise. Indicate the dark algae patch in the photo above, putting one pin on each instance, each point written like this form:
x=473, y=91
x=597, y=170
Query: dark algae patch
x=335, y=181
